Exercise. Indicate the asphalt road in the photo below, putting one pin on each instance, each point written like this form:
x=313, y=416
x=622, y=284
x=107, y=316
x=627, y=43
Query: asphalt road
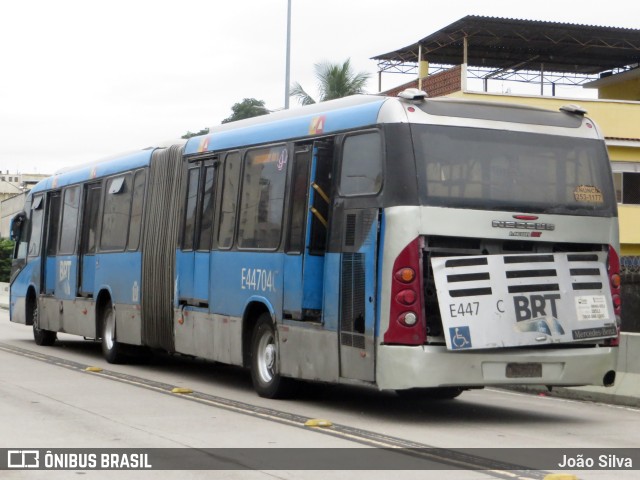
x=49, y=401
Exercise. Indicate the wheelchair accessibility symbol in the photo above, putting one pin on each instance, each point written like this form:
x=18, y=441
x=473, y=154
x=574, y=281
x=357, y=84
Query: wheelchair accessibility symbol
x=460, y=338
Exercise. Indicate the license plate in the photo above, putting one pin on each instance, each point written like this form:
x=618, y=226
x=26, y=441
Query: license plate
x=524, y=370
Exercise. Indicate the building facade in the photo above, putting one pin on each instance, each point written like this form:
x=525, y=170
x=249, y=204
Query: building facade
x=13, y=191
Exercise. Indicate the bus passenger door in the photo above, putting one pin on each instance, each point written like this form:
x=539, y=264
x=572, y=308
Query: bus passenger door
x=50, y=247
x=357, y=234
x=306, y=245
x=193, y=262
x=358, y=293
x=88, y=239
x=67, y=260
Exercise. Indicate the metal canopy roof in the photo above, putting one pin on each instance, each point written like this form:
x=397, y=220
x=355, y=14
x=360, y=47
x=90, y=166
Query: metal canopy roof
x=513, y=44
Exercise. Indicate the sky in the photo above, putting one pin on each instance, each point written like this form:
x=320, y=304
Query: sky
x=81, y=80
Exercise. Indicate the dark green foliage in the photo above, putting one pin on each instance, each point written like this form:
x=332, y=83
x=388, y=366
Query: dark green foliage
x=247, y=108
x=190, y=134
x=6, y=254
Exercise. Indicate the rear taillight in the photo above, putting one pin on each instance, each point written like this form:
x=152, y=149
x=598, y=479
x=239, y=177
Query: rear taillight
x=613, y=270
x=407, y=325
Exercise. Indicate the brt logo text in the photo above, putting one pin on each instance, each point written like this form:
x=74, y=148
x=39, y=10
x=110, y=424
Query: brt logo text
x=535, y=306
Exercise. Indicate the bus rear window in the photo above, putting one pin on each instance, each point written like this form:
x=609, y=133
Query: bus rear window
x=361, y=164
x=515, y=171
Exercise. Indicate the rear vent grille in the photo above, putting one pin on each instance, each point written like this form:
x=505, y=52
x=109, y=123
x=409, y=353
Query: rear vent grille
x=585, y=271
x=350, y=230
x=354, y=340
x=550, y=274
x=352, y=304
x=475, y=279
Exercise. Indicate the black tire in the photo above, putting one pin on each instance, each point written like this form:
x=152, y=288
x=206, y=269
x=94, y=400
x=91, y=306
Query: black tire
x=427, y=394
x=42, y=337
x=112, y=350
x=267, y=382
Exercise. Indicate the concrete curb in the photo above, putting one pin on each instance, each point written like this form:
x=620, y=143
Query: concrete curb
x=626, y=390
x=587, y=394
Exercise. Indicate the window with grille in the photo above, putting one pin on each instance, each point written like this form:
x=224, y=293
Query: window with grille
x=626, y=179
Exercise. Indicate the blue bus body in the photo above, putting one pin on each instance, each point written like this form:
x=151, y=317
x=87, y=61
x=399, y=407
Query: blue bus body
x=313, y=244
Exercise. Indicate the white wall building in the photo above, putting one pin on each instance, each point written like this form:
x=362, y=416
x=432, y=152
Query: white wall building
x=13, y=191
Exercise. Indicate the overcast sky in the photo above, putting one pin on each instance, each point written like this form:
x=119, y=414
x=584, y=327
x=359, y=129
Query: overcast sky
x=82, y=79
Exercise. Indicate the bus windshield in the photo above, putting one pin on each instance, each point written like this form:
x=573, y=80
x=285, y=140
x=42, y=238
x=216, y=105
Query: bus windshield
x=514, y=171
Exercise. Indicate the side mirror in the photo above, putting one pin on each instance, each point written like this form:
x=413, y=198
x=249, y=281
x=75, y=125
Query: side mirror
x=16, y=226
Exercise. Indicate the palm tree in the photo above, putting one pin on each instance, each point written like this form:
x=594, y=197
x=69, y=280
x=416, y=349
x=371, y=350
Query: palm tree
x=335, y=80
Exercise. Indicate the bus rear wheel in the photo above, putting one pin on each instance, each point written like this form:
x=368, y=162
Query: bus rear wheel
x=42, y=337
x=112, y=350
x=267, y=382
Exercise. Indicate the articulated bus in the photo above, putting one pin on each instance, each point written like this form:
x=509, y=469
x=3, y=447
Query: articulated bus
x=420, y=245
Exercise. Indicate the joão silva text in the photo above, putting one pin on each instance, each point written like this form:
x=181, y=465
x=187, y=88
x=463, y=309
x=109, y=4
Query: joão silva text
x=604, y=461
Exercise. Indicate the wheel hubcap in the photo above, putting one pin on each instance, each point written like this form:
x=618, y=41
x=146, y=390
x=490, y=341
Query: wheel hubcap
x=109, y=330
x=267, y=357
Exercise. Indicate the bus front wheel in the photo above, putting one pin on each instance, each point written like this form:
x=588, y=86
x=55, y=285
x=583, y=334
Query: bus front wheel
x=111, y=348
x=41, y=336
x=267, y=382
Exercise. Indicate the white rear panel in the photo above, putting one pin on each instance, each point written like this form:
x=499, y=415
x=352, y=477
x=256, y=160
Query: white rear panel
x=517, y=300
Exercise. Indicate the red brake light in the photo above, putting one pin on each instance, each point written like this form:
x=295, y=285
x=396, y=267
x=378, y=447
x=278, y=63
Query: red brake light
x=407, y=324
x=406, y=297
x=615, y=280
x=616, y=301
x=613, y=268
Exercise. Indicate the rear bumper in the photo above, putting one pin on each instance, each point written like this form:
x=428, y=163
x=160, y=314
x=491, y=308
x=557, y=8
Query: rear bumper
x=401, y=367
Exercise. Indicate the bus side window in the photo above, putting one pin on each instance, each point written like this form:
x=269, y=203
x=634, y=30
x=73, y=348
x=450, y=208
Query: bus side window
x=19, y=225
x=229, y=200
x=54, y=223
x=189, y=229
x=208, y=208
x=323, y=191
x=90, y=224
x=136, y=209
x=361, y=164
x=115, y=217
x=299, y=199
x=69, y=220
x=35, y=235
x=262, y=204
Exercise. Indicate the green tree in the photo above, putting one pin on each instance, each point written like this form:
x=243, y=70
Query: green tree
x=335, y=80
x=247, y=108
x=190, y=134
x=6, y=253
